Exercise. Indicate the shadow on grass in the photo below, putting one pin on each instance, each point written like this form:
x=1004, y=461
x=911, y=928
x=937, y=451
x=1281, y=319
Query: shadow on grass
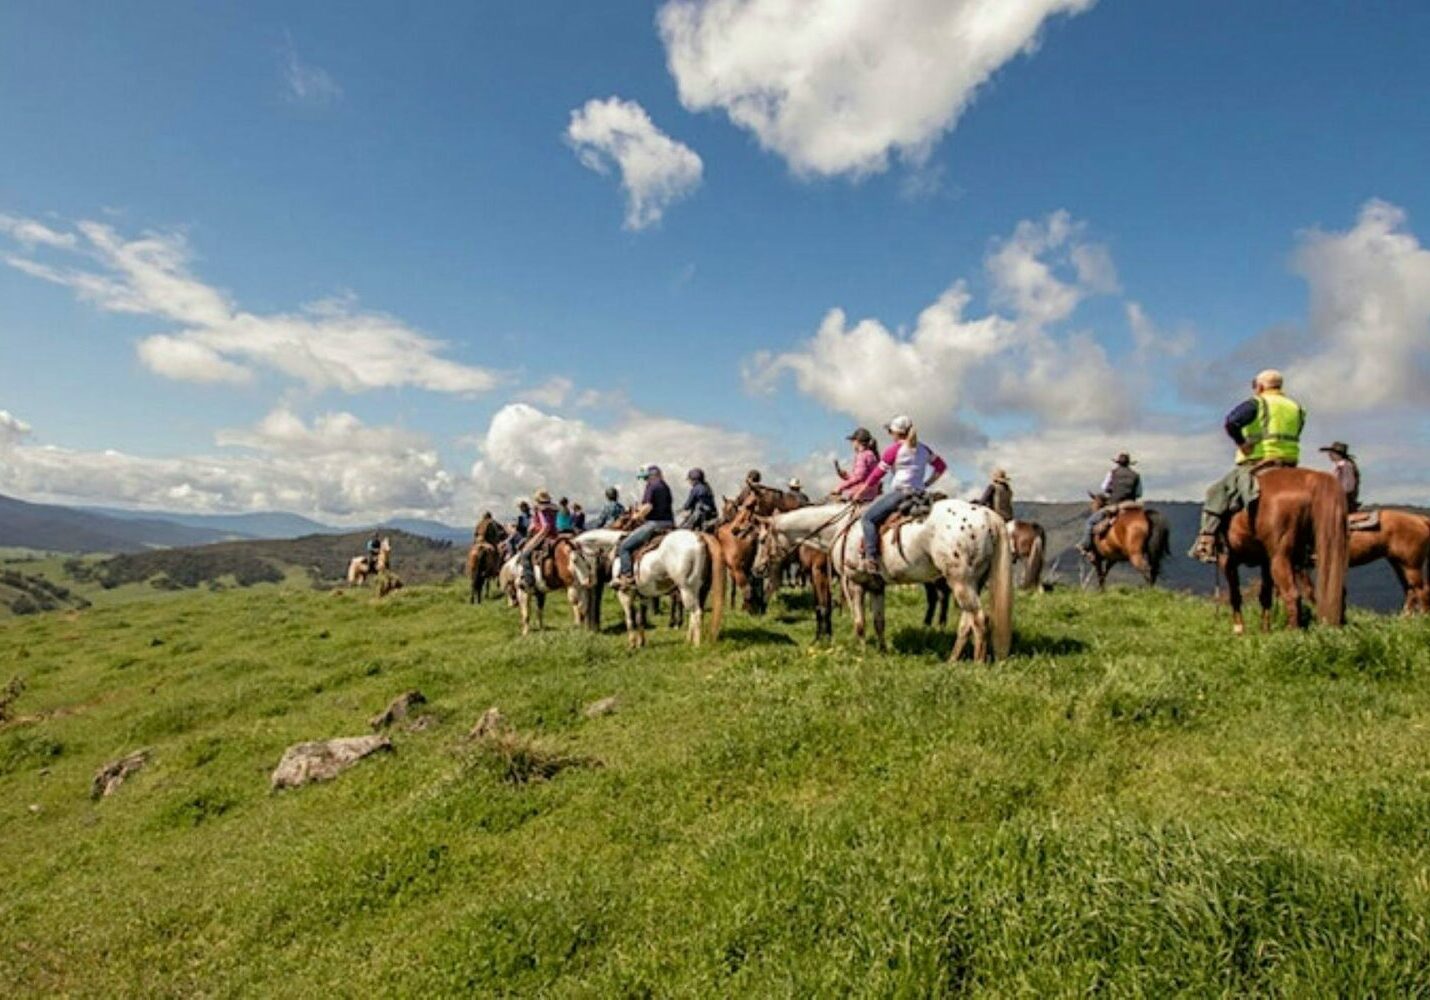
x=755, y=634
x=923, y=641
x=794, y=600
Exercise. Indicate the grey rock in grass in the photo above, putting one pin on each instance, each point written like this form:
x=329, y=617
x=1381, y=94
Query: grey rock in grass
x=606, y=706
x=109, y=777
x=324, y=759
x=491, y=724
x=399, y=708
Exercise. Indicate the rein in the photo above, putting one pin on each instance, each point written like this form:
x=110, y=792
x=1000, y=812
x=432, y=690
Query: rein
x=845, y=509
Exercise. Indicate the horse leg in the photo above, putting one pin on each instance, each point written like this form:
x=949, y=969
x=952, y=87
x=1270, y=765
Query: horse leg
x=972, y=622
x=876, y=598
x=1142, y=565
x=1264, y=597
x=1233, y=595
x=523, y=599
x=854, y=597
x=930, y=603
x=690, y=597
x=1284, y=575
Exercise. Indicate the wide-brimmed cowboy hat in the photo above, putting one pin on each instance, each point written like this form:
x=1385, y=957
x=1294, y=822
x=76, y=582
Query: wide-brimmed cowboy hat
x=1338, y=448
x=1122, y=458
x=541, y=496
x=1000, y=475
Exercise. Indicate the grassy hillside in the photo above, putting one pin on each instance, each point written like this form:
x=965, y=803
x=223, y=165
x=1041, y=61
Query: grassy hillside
x=1135, y=803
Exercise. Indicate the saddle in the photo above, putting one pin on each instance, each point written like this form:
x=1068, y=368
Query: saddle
x=650, y=545
x=913, y=510
x=1363, y=520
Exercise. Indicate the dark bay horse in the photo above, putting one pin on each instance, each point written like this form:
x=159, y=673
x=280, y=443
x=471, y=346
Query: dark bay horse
x=737, y=534
x=1300, y=514
x=1403, y=540
x=1138, y=535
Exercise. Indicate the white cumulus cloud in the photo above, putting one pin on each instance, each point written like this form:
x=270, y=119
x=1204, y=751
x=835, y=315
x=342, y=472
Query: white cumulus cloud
x=335, y=467
x=656, y=171
x=837, y=86
x=327, y=344
x=1369, y=343
x=954, y=367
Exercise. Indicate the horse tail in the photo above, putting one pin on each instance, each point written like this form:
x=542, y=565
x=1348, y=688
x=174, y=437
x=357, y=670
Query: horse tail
x=1328, y=510
x=1000, y=592
x=1033, y=571
x=1159, y=541
x=717, y=584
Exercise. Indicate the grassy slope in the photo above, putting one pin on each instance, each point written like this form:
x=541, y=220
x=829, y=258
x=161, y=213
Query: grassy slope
x=1135, y=801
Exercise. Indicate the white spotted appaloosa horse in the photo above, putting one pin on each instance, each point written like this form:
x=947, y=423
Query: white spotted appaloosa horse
x=960, y=542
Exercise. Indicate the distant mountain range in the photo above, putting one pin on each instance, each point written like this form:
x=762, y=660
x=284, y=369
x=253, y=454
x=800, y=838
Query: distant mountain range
x=57, y=528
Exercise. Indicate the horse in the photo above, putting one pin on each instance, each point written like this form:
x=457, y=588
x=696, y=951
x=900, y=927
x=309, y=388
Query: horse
x=483, y=566
x=684, y=563
x=1138, y=535
x=360, y=569
x=813, y=563
x=553, y=571
x=960, y=542
x=1030, y=543
x=736, y=535
x=1402, y=538
x=1298, y=512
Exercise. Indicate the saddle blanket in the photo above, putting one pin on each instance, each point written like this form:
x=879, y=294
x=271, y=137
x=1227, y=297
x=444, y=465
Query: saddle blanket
x=1364, y=520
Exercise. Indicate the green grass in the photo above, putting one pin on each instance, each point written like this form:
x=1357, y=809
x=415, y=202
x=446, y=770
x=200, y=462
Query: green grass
x=1135, y=803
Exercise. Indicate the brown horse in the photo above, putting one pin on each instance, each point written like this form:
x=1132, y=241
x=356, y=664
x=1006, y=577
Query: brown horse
x=1299, y=513
x=1403, y=540
x=483, y=565
x=737, y=535
x=1030, y=542
x=556, y=572
x=1137, y=535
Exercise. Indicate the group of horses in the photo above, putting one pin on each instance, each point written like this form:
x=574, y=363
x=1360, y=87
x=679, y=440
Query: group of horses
x=1297, y=533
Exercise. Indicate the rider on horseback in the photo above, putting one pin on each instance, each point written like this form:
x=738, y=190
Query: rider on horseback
x=611, y=511
x=1346, y=471
x=374, y=549
x=699, y=511
x=657, y=515
x=1267, y=431
x=796, y=489
x=519, y=529
x=908, y=459
x=998, y=495
x=543, y=529
x=1122, y=484
x=857, y=486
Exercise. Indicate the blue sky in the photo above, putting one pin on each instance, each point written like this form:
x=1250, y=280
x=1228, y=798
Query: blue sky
x=1230, y=165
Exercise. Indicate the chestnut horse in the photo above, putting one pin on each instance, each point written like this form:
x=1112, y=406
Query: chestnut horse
x=552, y=571
x=1403, y=540
x=736, y=534
x=1138, y=535
x=1030, y=543
x=1299, y=512
x=484, y=557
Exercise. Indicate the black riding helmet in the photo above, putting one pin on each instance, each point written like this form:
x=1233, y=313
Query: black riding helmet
x=611, y=493
x=696, y=475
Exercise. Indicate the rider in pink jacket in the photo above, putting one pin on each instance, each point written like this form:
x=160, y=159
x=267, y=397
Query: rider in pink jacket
x=859, y=484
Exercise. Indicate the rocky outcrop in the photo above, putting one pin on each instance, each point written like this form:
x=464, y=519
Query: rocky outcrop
x=109, y=777
x=319, y=761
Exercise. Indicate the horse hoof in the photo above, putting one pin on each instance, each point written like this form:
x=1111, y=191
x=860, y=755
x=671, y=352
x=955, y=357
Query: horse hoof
x=1238, y=630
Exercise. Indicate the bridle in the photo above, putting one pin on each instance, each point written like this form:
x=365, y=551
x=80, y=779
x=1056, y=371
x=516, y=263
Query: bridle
x=844, y=509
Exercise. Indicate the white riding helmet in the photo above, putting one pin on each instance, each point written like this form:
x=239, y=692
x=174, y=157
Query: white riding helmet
x=900, y=425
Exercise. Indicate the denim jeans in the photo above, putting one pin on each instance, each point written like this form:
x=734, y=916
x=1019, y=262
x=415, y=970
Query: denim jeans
x=637, y=538
x=876, y=514
x=1092, y=523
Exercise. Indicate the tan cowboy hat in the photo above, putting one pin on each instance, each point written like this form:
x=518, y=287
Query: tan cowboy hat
x=1000, y=475
x=542, y=496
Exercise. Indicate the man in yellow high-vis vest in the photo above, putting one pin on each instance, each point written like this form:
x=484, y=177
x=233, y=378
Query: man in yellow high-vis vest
x=1267, y=431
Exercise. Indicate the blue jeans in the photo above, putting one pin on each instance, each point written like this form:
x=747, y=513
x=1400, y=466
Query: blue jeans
x=637, y=538
x=876, y=514
x=1092, y=523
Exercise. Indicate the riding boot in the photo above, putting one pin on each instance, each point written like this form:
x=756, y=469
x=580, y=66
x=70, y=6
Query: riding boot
x=1205, y=549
